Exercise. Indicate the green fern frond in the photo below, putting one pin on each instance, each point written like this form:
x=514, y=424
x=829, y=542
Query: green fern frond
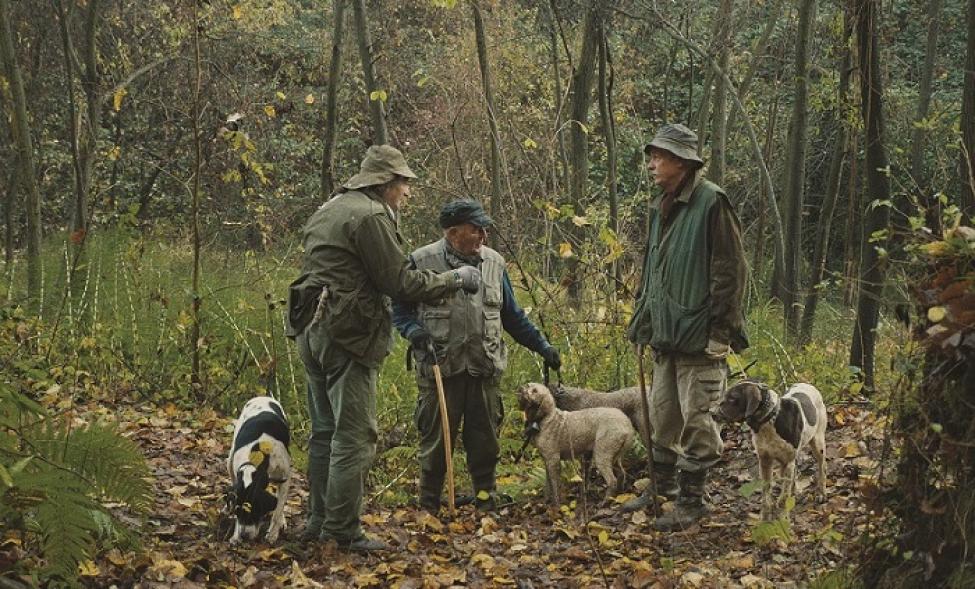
x=63, y=522
x=400, y=453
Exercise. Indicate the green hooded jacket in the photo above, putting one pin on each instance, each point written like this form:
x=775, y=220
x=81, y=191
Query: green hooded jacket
x=354, y=250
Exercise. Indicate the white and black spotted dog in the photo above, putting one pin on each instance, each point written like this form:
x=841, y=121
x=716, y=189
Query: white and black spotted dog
x=260, y=468
x=780, y=428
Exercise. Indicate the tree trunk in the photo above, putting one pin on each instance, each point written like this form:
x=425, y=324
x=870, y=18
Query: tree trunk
x=331, y=98
x=365, y=54
x=923, y=104
x=872, y=269
x=966, y=166
x=720, y=115
x=25, y=155
x=834, y=178
x=758, y=51
x=605, y=93
x=579, y=102
x=9, y=205
x=197, y=169
x=563, y=155
x=795, y=172
x=482, y=59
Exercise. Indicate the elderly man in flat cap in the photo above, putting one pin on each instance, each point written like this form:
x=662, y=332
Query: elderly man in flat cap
x=689, y=312
x=464, y=332
x=339, y=313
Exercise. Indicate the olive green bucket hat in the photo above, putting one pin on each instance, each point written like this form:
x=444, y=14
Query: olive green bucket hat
x=678, y=140
x=381, y=164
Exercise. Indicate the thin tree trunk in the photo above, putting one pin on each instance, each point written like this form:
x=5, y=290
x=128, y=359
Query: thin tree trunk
x=25, y=155
x=851, y=260
x=872, y=271
x=720, y=115
x=605, y=93
x=331, y=100
x=365, y=54
x=9, y=205
x=795, y=171
x=924, y=102
x=834, y=178
x=563, y=154
x=759, y=52
x=197, y=168
x=580, y=100
x=758, y=261
x=966, y=166
x=482, y=59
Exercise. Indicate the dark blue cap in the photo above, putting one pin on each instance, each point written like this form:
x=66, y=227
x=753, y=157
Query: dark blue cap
x=464, y=211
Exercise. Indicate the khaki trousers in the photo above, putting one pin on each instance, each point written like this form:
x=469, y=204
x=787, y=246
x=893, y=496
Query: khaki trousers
x=685, y=388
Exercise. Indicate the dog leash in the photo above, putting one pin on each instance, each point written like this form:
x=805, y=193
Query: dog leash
x=558, y=389
x=531, y=430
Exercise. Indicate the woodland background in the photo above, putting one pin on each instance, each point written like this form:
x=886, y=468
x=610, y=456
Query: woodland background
x=158, y=159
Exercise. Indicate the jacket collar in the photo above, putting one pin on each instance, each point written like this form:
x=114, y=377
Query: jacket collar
x=686, y=191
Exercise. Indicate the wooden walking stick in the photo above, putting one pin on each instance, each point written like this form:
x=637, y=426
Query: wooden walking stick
x=646, y=426
x=445, y=428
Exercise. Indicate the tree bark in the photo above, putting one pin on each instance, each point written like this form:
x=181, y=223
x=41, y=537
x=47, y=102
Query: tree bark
x=197, y=168
x=795, y=172
x=605, y=93
x=759, y=52
x=331, y=100
x=563, y=155
x=381, y=136
x=924, y=103
x=966, y=165
x=488, y=86
x=834, y=178
x=720, y=113
x=872, y=269
x=25, y=155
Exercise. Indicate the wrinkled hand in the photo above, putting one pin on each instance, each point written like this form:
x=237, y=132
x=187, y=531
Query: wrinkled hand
x=469, y=278
x=421, y=340
x=552, y=357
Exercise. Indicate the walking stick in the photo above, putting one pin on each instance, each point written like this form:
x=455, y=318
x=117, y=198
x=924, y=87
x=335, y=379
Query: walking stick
x=646, y=427
x=445, y=428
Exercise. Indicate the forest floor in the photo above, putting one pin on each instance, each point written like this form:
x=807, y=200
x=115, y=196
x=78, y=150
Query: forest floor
x=523, y=545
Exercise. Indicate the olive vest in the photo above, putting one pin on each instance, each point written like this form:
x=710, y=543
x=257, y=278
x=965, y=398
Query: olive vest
x=673, y=312
x=466, y=328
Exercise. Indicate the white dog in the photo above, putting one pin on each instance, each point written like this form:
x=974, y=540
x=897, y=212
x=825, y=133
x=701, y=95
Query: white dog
x=260, y=468
x=780, y=428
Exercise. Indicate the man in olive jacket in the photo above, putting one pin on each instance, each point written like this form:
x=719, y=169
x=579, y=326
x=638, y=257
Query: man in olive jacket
x=464, y=333
x=689, y=312
x=339, y=314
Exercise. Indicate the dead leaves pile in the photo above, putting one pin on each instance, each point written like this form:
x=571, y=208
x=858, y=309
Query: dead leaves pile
x=524, y=545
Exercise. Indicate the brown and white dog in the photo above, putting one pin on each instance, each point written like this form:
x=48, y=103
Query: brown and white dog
x=780, y=428
x=602, y=433
x=626, y=400
x=260, y=469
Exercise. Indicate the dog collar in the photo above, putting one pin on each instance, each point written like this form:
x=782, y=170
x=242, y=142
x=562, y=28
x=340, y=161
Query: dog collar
x=767, y=410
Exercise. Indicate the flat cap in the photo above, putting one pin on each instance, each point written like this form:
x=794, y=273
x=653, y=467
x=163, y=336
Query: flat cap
x=460, y=211
x=678, y=140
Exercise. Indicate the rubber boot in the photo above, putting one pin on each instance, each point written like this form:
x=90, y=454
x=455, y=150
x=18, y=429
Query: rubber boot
x=666, y=476
x=690, y=505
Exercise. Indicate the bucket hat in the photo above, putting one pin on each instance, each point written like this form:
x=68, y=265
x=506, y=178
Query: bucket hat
x=678, y=140
x=381, y=164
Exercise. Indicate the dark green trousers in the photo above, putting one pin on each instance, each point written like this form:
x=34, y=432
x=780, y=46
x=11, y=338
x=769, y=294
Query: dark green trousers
x=474, y=409
x=342, y=406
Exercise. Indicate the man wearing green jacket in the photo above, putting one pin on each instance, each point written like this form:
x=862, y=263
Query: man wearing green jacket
x=689, y=312
x=339, y=314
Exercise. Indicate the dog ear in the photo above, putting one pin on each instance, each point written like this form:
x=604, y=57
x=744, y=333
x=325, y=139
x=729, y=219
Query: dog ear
x=753, y=397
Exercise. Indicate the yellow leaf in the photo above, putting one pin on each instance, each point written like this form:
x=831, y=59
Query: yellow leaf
x=280, y=95
x=237, y=12
x=483, y=495
x=117, y=98
x=113, y=154
x=88, y=569
x=603, y=538
x=936, y=248
x=565, y=250
x=310, y=99
x=269, y=111
x=529, y=143
x=851, y=450
x=936, y=314
x=379, y=95
x=579, y=221
x=169, y=568
x=256, y=457
x=855, y=388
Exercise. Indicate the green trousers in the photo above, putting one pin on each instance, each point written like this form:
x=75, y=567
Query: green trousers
x=342, y=406
x=686, y=387
x=474, y=409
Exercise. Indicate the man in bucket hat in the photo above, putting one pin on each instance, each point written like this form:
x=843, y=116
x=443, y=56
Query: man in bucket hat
x=339, y=313
x=689, y=312
x=465, y=333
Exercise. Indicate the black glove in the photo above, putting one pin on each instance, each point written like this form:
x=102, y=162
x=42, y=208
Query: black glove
x=421, y=341
x=552, y=357
x=469, y=278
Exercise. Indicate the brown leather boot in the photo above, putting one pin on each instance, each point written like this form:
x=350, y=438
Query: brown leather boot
x=690, y=506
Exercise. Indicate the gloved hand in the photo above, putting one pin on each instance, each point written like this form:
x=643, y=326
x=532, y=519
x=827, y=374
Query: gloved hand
x=552, y=357
x=469, y=278
x=421, y=340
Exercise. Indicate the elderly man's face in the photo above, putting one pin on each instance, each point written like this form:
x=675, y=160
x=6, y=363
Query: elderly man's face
x=467, y=238
x=667, y=169
x=396, y=193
